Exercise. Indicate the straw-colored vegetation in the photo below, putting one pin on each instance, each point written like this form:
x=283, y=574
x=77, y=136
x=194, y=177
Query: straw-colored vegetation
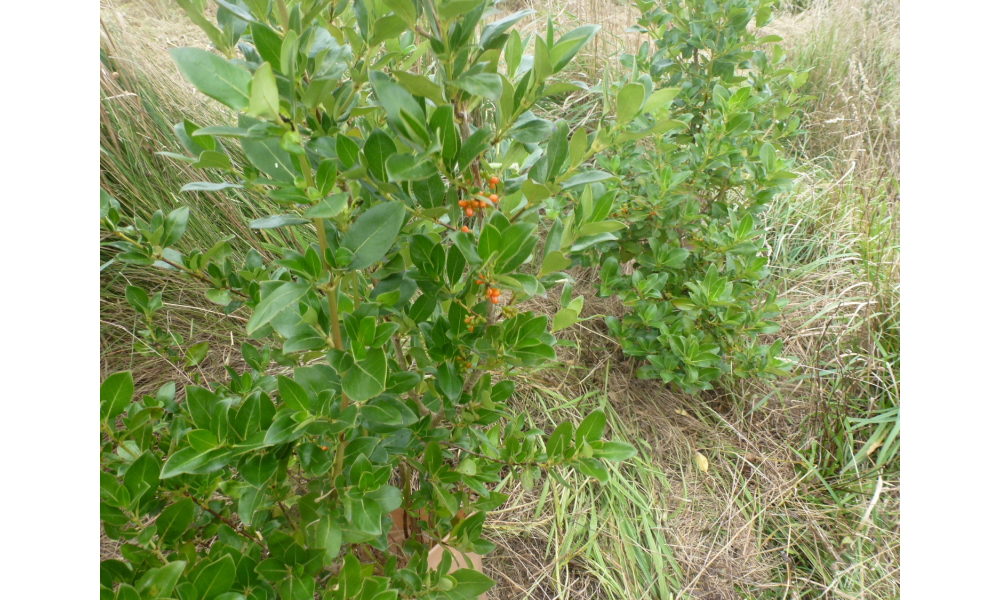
x=759, y=490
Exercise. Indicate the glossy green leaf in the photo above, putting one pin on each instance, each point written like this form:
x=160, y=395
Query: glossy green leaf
x=142, y=477
x=174, y=520
x=174, y=226
x=284, y=429
x=569, y=44
x=259, y=469
x=563, y=319
x=469, y=584
x=630, y=100
x=190, y=460
x=419, y=85
x=554, y=261
x=374, y=233
x=264, y=94
x=214, y=77
x=328, y=207
x=328, y=536
x=591, y=429
x=160, y=582
x=560, y=441
x=615, y=451
x=486, y=85
x=216, y=577
x=277, y=301
x=116, y=394
x=293, y=394
x=366, y=379
x=406, y=167
x=195, y=354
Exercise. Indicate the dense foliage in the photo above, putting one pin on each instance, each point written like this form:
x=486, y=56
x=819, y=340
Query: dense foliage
x=696, y=286
x=414, y=194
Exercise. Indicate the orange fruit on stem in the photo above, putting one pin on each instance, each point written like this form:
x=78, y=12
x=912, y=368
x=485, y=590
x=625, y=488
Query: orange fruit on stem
x=494, y=180
x=494, y=198
x=468, y=212
x=465, y=229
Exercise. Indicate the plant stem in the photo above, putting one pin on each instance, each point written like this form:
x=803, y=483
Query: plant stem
x=404, y=474
x=182, y=268
x=235, y=528
x=283, y=15
x=331, y=295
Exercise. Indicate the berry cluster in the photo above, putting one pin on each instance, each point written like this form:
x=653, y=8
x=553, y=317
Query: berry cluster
x=472, y=320
x=491, y=292
x=469, y=207
x=621, y=212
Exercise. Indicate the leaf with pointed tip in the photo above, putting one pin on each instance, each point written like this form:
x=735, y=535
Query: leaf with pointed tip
x=277, y=301
x=116, y=394
x=216, y=577
x=487, y=85
x=373, y=233
x=189, y=460
x=366, y=379
x=214, y=76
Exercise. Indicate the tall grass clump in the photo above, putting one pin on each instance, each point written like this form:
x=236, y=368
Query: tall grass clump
x=141, y=101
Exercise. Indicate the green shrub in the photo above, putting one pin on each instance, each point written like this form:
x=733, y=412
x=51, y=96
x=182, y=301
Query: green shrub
x=698, y=294
x=414, y=196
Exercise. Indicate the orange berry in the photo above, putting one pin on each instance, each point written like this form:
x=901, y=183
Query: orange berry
x=462, y=203
x=471, y=327
x=494, y=180
x=494, y=299
x=494, y=198
x=323, y=448
x=469, y=212
x=465, y=229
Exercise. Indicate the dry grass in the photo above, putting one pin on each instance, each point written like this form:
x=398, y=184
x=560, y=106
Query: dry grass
x=853, y=48
x=766, y=520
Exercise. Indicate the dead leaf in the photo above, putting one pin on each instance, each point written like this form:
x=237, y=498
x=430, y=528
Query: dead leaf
x=701, y=461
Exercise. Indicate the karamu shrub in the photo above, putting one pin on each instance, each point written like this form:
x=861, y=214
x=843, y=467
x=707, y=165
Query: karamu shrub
x=408, y=169
x=696, y=288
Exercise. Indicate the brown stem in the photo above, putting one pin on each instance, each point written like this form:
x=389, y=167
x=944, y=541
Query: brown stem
x=401, y=359
x=404, y=474
x=226, y=521
x=182, y=268
x=466, y=132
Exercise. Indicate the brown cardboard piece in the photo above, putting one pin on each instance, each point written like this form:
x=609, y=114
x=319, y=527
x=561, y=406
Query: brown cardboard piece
x=397, y=537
